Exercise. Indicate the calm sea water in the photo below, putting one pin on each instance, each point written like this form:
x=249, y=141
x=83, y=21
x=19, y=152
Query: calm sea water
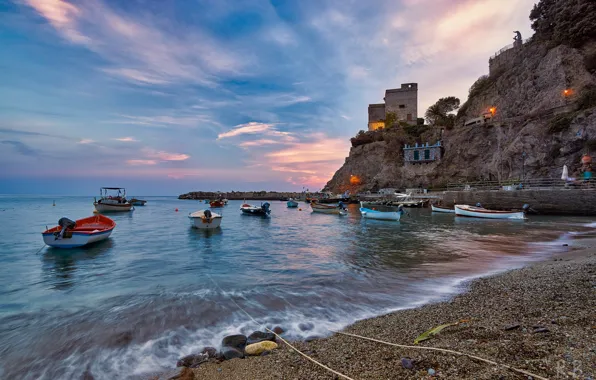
x=158, y=290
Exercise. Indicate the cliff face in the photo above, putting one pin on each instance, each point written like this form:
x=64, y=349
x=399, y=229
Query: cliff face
x=533, y=115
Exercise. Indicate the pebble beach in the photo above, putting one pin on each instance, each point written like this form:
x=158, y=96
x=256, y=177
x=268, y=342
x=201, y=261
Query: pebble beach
x=540, y=319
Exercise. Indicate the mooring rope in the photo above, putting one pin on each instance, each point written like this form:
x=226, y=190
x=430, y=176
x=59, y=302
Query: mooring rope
x=444, y=350
x=277, y=335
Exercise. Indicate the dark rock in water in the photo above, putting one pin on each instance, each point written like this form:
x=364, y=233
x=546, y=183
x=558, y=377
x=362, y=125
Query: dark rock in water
x=211, y=352
x=541, y=330
x=234, y=341
x=278, y=330
x=232, y=353
x=265, y=353
x=192, y=361
x=171, y=375
x=259, y=336
x=310, y=338
x=512, y=327
x=306, y=326
x=407, y=363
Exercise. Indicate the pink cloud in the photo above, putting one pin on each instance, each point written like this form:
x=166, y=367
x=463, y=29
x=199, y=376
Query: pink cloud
x=126, y=139
x=165, y=156
x=260, y=142
x=320, y=149
x=141, y=162
x=86, y=141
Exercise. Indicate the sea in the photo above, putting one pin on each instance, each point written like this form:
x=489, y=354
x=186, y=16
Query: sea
x=130, y=306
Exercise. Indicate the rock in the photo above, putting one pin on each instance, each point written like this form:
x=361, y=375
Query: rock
x=306, y=326
x=278, y=330
x=407, y=363
x=192, y=361
x=265, y=353
x=258, y=348
x=541, y=330
x=259, y=336
x=231, y=353
x=512, y=327
x=310, y=338
x=171, y=375
x=432, y=372
x=210, y=351
x=234, y=341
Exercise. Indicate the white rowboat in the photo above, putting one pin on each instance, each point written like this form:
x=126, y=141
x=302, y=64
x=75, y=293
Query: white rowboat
x=480, y=212
x=380, y=215
x=442, y=209
x=205, y=220
x=69, y=234
x=328, y=209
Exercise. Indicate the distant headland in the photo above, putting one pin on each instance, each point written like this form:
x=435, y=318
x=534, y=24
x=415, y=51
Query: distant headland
x=241, y=195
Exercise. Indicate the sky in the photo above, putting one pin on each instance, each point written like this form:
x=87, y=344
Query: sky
x=165, y=97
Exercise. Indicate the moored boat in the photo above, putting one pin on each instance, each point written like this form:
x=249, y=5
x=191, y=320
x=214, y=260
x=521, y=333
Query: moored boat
x=216, y=204
x=436, y=208
x=72, y=234
x=329, y=209
x=112, y=203
x=262, y=210
x=292, y=203
x=137, y=202
x=480, y=212
x=381, y=215
x=205, y=220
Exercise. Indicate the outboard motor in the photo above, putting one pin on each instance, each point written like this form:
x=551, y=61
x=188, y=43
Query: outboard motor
x=341, y=205
x=265, y=207
x=65, y=223
x=479, y=205
x=208, y=215
x=526, y=207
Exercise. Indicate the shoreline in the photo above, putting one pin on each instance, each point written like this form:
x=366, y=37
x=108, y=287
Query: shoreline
x=547, y=306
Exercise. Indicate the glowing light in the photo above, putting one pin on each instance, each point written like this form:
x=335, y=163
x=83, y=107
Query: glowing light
x=493, y=110
x=567, y=92
x=354, y=180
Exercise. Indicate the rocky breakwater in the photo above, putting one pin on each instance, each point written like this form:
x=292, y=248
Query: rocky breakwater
x=237, y=346
x=241, y=195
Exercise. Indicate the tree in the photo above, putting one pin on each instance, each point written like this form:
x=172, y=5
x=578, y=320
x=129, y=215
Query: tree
x=390, y=119
x=565, y=22
x=440, y=112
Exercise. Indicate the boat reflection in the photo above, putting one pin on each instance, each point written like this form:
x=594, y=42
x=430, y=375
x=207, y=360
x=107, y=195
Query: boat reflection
x=59, y=266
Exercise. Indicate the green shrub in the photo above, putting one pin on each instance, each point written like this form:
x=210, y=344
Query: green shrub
x=480, y=85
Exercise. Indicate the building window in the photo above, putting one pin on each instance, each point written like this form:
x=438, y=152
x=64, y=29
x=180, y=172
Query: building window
x=427, y=154
x=416, y=155
x=409, y=117
x=402, y=106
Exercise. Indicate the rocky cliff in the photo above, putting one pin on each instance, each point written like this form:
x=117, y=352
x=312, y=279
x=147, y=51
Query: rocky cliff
x=533, y=114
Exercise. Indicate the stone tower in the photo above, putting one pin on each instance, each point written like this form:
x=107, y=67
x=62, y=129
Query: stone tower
x=403, y=102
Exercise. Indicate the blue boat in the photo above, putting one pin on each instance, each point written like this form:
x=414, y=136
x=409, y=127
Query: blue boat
x=292, y=203
x=381, y=215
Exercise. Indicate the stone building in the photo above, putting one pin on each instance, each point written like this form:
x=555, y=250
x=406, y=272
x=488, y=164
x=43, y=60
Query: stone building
x=423, y=153
x=401, y=101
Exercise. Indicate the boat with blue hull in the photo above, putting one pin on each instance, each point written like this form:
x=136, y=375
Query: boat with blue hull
x=292, y=203
x=381, y=215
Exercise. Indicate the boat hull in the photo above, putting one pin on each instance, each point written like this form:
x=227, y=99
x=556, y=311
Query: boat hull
x=254, y=211
x=292, y=204
x=442, y=209
x=380, y=215
x=137, y=202
x=477, y=212
x=324, y=209
x=198, y=220
x=87, y=231
x=116, y=207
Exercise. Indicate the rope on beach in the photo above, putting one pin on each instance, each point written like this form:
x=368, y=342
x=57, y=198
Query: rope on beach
x=444, y=350
x=280, y=338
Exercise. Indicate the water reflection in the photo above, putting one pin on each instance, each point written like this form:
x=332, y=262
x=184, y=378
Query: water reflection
x=60, y=266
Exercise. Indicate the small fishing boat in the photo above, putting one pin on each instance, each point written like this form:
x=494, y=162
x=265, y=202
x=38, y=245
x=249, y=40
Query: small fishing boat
x=480, y=212
x=137, y=202
x=216, y=204
x=205, y=220
x=292, y=203
x=112, y=203
x=329, y=209
x=206, y=201
x=262, y=210
x=225, y=201
x=381, y=215
x=436, y=208
x=72, y=234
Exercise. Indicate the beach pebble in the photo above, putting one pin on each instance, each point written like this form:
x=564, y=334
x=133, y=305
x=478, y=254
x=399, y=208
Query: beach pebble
x=259, y=348
x=192, y=361
x=231, y=353
x=278, y=330
x=265, y=353
x=512, y=327
x=211, y=352
x=235, y=341
x=432, y=372
x=259, y=336
x=541, y=330
x=407, y=363
x=306, y=326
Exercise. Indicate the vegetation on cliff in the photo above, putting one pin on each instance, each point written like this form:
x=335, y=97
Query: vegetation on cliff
x=570, y=22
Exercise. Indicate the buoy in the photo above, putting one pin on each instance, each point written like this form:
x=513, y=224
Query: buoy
x=95, y=212
x=299, y=209
x=54, y=204
x=176, y=210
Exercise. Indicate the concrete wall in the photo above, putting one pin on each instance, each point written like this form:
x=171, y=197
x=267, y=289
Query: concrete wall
x=403, y=102
x=555, y=201
x=434, y=151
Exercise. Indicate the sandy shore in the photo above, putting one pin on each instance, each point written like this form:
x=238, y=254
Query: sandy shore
x=541, y=318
